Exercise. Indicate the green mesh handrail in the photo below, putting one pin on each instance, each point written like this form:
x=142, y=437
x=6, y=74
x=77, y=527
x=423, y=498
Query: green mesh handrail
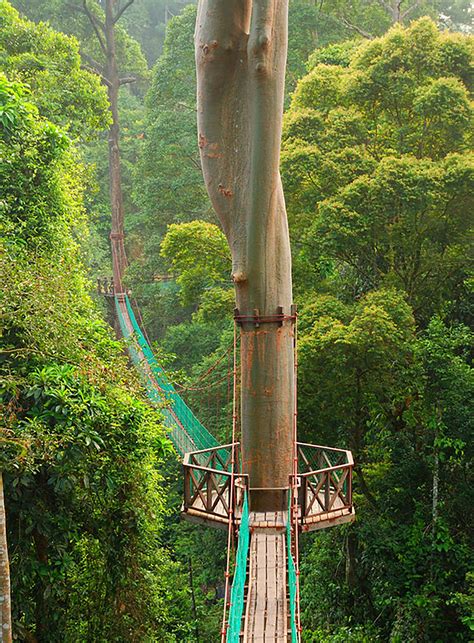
x=236, y=609
x=183, y=427
x=292, y=578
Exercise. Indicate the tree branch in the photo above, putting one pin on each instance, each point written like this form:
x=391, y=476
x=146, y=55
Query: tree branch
x=387, y=7
x=96, y=66
x=103, y=78
x=361, y=32
x=127, y=80
x=96, y=24
x=121, y=11
x=399, y=4
x=409, y=10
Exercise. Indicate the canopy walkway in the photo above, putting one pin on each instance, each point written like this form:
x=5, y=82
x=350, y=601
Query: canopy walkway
x=262, y=589
x=264, y=597
x=266, y=614
x=182, y=426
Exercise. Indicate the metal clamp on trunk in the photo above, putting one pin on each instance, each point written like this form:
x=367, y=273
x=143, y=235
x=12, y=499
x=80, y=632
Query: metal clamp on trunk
x=278, y=318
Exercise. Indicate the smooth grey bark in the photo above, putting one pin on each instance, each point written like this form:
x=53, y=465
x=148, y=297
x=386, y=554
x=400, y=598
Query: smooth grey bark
x=5, y=598
x=241, y=48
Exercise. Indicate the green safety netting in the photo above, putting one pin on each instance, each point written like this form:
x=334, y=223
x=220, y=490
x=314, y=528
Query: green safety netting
x=240, y=575
x=292, y=578
x=183, y=427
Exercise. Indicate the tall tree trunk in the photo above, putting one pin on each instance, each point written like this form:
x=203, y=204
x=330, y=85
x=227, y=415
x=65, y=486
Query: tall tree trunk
x=351, y=559
x=42, y=614
x=119, y=258
x=435, y=498
x=240, y=57
x=435, y=490
x=109, y=73
x=193, y=598
x=5, y=602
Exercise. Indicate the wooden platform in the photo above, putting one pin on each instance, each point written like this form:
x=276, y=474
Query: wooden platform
x=321, y=519
x=271, y=522
x=266, y=613
x=325, y=520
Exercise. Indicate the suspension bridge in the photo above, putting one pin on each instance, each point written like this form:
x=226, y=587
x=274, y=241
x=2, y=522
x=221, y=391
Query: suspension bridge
x=262, y=575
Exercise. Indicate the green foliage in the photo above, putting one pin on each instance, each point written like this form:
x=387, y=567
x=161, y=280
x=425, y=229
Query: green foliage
x=378, y=177
x=307, y=29
x=50, y=64
x=367, y=350
x=377, y=168
x=66, y=94
x=199, y=256
x=76, y=99
x=345, y=634
x=465, y=603
x=72, y=20
x=373, y=223
x=143, y=22
x=339, y=53
x=81, y=447
x=13, y=107
x=370, y=18
x=146, y=21
x=40, y=199
x=404, y=560
x=90, y=467
x=168, y=181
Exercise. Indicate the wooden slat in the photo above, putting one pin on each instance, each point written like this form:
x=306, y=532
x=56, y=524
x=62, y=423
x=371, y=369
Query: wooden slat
x=266, y=611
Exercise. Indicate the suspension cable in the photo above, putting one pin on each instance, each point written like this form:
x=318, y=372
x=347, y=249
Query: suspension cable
x=294, y=491
x=211, y=385
x=203, y=376
x=140, y=319
x=232, y=490
x=211, y=368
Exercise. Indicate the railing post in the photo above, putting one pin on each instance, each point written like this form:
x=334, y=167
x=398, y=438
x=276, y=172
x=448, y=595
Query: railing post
x=209, y=475
x=304, y=498
x=320, y=459
x=327, y=490
x=232, y=497
x=349, y=487
x=187, y=486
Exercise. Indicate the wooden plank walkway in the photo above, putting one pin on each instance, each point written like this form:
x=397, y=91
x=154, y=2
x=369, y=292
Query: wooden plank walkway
x=266, y=614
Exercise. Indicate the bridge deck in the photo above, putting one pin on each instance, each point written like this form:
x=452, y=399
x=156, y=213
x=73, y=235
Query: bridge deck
x=266, y=614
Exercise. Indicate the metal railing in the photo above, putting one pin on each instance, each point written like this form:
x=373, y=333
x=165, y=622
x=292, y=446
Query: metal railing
x=325, y=480
x=237, y=592
x=292, y=579
x=207, y=483
x=182, y=426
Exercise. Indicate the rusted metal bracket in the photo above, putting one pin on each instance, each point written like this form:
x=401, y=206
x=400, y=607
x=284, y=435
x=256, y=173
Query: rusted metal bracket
x=256, y=319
